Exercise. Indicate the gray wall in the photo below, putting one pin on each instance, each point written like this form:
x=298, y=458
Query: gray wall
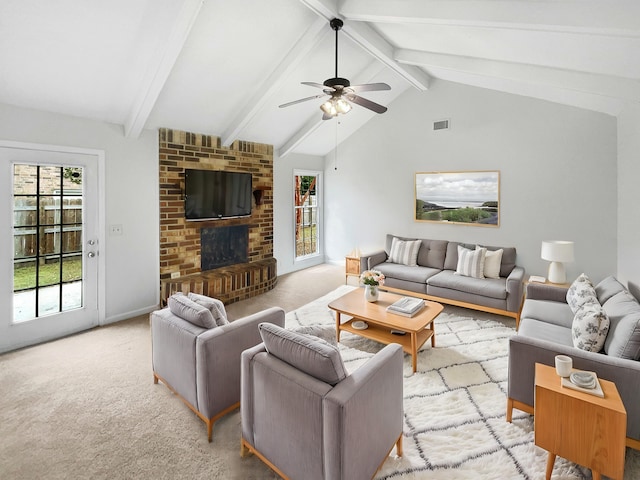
x=629, y=198
x=558, y=174
x=131, y=183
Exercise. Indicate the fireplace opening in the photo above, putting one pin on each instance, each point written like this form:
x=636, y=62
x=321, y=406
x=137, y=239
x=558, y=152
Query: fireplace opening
x=223, y=246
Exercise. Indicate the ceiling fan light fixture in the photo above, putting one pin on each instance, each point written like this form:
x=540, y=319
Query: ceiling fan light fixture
x=335, y=106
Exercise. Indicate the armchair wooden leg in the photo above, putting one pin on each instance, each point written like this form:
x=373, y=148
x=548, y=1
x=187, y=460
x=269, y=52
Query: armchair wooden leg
x=155, y=378
x=209, y=423
x=244, y=451
x=509, y=410
x=399, y=446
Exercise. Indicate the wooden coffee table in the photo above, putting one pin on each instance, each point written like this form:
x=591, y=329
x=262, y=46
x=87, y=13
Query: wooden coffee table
x=418, y=328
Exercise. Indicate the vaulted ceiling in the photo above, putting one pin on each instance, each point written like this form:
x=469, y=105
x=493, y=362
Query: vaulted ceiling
x=223, y=67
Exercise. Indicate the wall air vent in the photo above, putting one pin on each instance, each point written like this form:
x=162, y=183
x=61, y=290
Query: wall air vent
x=441, y=125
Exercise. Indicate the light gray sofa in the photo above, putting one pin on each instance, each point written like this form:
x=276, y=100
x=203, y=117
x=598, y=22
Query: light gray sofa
x=434, y=277
x=306, y=418
x=199, y=360
x=545, y=331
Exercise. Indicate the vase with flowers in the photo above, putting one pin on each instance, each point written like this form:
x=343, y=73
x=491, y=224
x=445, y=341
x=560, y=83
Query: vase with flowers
x=371, y=279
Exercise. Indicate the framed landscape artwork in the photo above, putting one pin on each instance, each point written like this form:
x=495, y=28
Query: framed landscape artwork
x=467, y=198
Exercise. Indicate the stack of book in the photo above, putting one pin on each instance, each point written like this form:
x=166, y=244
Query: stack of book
x=407, y=306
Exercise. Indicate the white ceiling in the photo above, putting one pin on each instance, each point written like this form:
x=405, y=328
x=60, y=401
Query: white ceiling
x=222, y=67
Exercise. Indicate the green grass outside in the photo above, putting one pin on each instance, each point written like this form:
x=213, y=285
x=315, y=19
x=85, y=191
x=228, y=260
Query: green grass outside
x=24, y=276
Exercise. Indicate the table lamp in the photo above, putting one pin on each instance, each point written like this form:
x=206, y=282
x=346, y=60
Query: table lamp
x=557, y=252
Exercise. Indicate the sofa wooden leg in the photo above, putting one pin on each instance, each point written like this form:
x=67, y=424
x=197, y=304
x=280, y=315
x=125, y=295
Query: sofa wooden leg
x=155, y=379
x=399, y=446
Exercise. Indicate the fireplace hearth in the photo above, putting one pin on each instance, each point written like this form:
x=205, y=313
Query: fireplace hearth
x=223, y=246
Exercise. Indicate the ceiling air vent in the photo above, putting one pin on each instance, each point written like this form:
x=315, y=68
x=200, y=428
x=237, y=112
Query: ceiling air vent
x=441, y=125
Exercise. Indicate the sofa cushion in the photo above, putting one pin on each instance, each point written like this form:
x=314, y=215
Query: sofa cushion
x=590, y=327
x=557, y=313
x=492, y=262
x=416, y=274
x=607, y=288
x=181, y=306
x=471, y=262
x=432, y=253
x=623, y=339
x=404, y=252
x=580, y=292
x=312, y=356
x=215, y=306
x=486, y=287
x=542, y=330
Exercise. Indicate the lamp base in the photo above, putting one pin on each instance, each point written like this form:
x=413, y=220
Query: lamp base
x=557, y=273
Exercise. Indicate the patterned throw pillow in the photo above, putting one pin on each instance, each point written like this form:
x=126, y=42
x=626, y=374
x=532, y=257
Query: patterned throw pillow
x=492, y=263
x=404, y=252
x=590, y=327
x=581, y=291
x=471, y=262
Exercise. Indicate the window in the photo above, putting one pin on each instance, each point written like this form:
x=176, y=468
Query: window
x=306, y=213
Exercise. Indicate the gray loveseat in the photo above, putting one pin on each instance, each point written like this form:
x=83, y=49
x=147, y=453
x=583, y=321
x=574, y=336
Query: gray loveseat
x=545, y=331
x=434, y=277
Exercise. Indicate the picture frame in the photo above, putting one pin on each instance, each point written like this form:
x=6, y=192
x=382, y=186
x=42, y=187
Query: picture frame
x=463, y=198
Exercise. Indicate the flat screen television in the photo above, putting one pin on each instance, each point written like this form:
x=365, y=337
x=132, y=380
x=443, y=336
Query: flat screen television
x=211, y=194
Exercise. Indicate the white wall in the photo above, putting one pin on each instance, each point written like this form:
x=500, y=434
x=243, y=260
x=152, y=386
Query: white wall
x=131, y=170
x=629, y=198
x=283, y=223
x=557, y=167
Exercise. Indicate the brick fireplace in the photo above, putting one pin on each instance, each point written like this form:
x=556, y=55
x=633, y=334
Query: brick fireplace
x=229, y=271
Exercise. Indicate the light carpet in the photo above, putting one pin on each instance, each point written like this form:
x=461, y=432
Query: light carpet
x=454, y=405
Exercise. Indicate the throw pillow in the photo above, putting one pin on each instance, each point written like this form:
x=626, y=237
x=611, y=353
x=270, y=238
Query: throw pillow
x=314, y=357
x=215, y=306
x=404, y=252
x=181, y=306
x=471, y=262
x=590, y=327
x=581, y=291
x=492, y=262
x=623, y=339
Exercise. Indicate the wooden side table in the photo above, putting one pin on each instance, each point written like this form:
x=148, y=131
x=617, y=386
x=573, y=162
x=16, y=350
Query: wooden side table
x=583, y=428
x=352, y=267
x=547, y=282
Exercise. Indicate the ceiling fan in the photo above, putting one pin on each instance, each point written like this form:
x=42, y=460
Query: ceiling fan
x=340, y=90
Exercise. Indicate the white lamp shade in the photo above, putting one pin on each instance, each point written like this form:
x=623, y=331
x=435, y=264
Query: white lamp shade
x=557, y=251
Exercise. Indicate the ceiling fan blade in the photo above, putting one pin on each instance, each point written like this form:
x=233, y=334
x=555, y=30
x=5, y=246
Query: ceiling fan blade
x=314, y=84
x=370, y=87
x=363, y=102
x=301, y=100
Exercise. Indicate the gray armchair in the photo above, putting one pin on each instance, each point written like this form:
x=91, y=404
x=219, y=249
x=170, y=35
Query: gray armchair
x=306, y=418
x=199, y=360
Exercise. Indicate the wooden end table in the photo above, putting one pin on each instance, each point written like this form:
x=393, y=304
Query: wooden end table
x=583, y=428
x=418, y=328
x=352, y=267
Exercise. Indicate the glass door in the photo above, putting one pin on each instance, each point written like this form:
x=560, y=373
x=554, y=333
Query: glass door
x=52, y=243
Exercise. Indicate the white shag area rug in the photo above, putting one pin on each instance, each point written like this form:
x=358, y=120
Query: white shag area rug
x=455, y=404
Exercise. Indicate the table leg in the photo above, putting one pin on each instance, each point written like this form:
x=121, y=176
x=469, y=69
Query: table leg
x=414, y=351
x=550, y=461
x=338, y=326
x=433, y=335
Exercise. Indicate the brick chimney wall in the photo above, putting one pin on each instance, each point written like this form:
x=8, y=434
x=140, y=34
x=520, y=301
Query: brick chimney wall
x=180, y=239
